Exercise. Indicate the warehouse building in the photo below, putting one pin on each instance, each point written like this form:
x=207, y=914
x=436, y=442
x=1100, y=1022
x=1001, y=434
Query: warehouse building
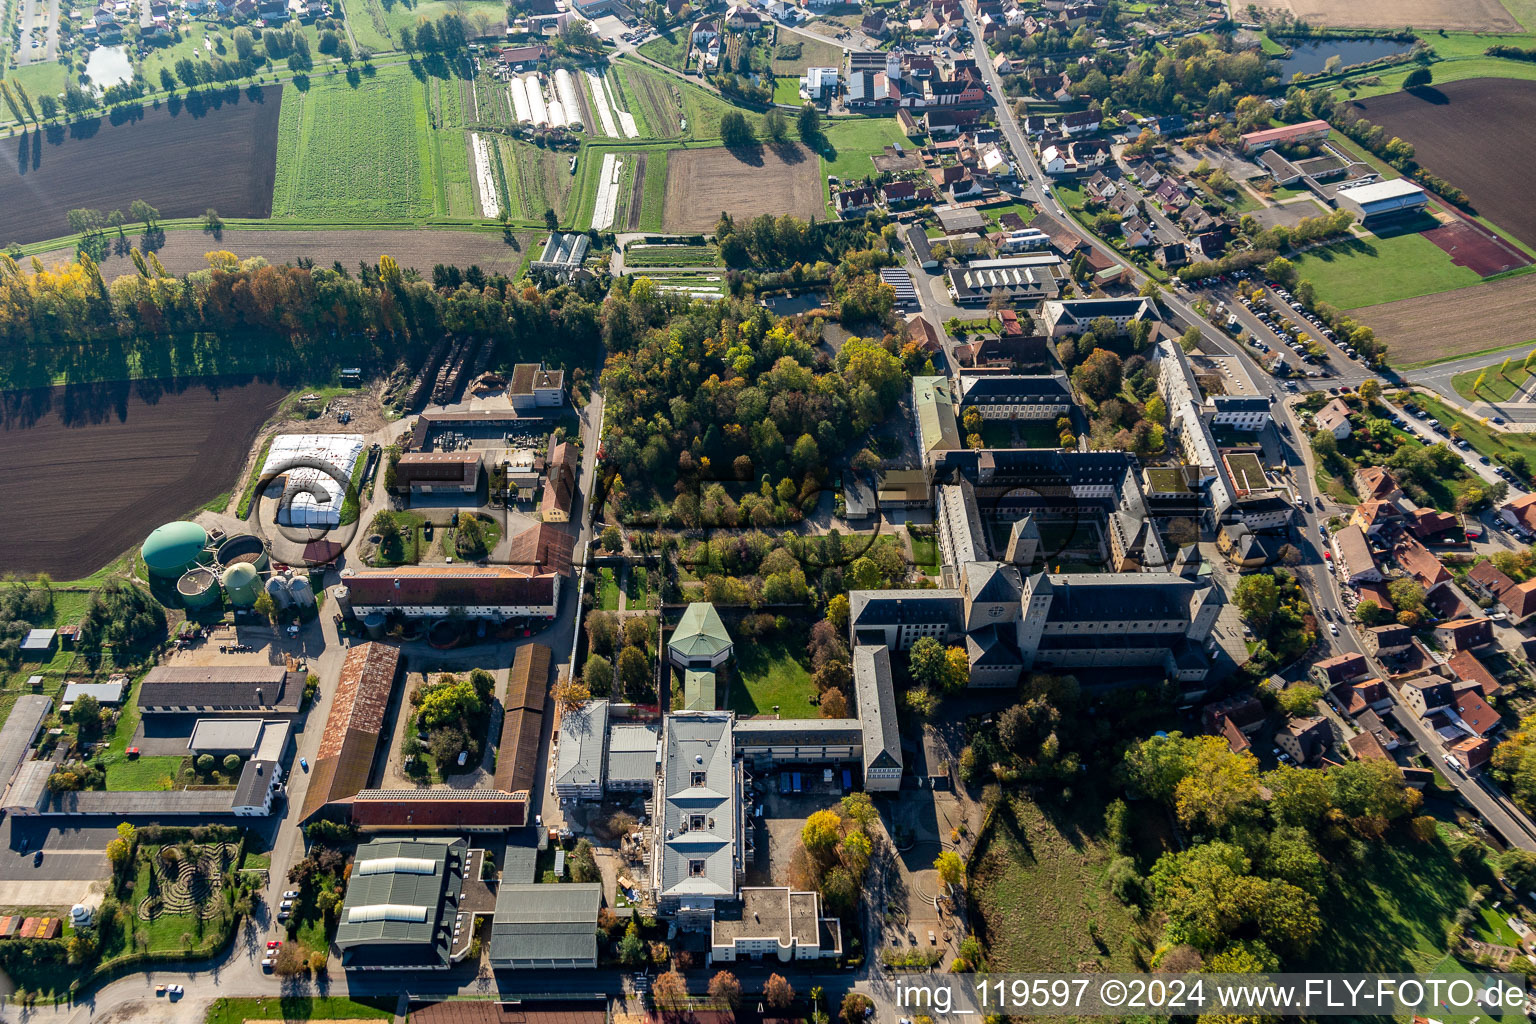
x=438, y=472
x=345, y=757
x=549, y=927
x=400, y=912
x=1382, y=199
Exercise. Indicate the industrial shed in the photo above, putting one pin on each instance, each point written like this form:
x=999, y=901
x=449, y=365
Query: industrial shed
x=546, y=926
x=345, y=757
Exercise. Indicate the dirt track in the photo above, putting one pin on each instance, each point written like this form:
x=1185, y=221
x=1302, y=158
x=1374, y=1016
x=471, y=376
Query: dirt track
x=182, y=163
x=1475, y=134
x=90, y=470
x=1457, y=323
x=184, y=250
x=703, y=182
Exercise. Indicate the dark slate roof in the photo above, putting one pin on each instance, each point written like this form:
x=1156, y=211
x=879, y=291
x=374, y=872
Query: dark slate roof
x=993, y=646
x=1246, y=402
x=894, y=607
x=993, y=582
x=546, y=922
x=876, y=694
x=242, y=687
x=1044, y=389
x=1077, y=597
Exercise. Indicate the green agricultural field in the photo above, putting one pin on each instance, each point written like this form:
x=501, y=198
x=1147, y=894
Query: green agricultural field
x=363, y=153
x=1365, y=271
x=450, y=150
x=850, y=144
x=654, y=195
x=298, y=1007
x=1455, y=69
x=398, y=15
x=672, y=256
x=537, y=179
x=369, y=27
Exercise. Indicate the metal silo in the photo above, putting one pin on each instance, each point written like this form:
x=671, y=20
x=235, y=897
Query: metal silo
x=241, y=584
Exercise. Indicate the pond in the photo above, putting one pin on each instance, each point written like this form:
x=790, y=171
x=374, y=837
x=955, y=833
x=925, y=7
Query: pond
x=108, y=66
x=1309, y=58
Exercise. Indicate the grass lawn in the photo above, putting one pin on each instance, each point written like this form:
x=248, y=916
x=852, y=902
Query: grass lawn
x=669, y=49
x=38, y=79
x=773, y=671
x=143, y=773
x=1496, y=387
x=1365, y=271
x=607, y=590
x=994, y=214
x=1390, y=911
x=814, y=53
x=1041, y=894
x=1490, y=926
x=850, y=144
x=1454, y=69
x=238, y=1011
x=925, y=552
x=1489, y=440
x=787, y=90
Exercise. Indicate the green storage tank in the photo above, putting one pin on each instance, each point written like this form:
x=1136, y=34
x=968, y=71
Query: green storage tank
x=199, y=588
x=241, y=584
x=173, y=549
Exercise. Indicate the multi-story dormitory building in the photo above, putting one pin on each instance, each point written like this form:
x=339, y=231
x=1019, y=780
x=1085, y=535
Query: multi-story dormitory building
x=1010, y=623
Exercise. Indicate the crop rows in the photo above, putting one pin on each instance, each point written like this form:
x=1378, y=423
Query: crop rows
x=353, y=159
x=672, y=256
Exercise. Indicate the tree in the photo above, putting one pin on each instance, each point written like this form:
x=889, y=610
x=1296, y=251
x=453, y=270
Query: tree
x=205, y=763
x=117, y=853
x=775, y=127
x=1418, y=77
x=583, y=863
x=551, y=219
x=927, y=661
x=1190, y=339
x=736, y=131
x=856, y=1007
x=632, y=947
x=837, y=612
x=86, y=713
x=724, y=988
x=808, y=122
x=1099, y=376
x=950, y=867
x=1257, y=598
x=212, y=222
x=1370, y=389
x=231, y=764
x=142, y=211
x=597, y=675
x=670, y=990
x=777, y=992
x=1300, y=701
x=265, y=607
x=834, y=704
x=820, y=833
x=634, y=672
x=612, y=539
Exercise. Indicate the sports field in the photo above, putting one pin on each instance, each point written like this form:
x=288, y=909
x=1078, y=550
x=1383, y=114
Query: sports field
x=1371, y=270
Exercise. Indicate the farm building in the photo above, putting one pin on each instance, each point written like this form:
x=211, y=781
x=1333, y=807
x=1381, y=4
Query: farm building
x=439, y=472
x=1382, y=199
x=563, y=254
x=38, y=644
x=437, y=591
x=108, y=695
x=818, y=83
x=352, y=728
x=243, y=690
x=316, y=470
x=1291, y=134
x=533, y=387
x=174, y=548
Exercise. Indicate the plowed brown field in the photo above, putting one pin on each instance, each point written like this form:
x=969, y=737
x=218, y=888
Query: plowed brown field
x=90, y=470
x=701, y=183
x=223, y=157
x=1455, y=323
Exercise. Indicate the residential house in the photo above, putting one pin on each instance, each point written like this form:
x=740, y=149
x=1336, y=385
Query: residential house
x=898, y=194
x=874, y=25
x=1517, y=599
x=1339, y=669
x=1465, y=634
x=855, y=202
x=1521, y=514
x=1379, y=519
x=1235, y=719
x=1306, y=740
x=1376, y=483
x=1472, y=752
x=1473, y=714
x=1427, y=694
x=1138, y=234
x=1387, y=641
x=819, y=83
x=1428, y=524
x=1366, y=746
x=1080, y=122
x=1372, y=723
x=1334, y=418
x=1172, y=255
x=560, y=484
x=1471, y=671
x=1420, y=563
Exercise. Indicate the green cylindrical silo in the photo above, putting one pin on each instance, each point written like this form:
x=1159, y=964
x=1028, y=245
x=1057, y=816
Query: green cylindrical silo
x=241, y=584
x=199, y=588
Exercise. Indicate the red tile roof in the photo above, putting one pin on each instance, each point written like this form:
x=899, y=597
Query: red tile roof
x=1463, y=634
x=451, y=585
x=1469, y=670
x=1475, y=713
x=1471, y=752
x=1420, y=563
